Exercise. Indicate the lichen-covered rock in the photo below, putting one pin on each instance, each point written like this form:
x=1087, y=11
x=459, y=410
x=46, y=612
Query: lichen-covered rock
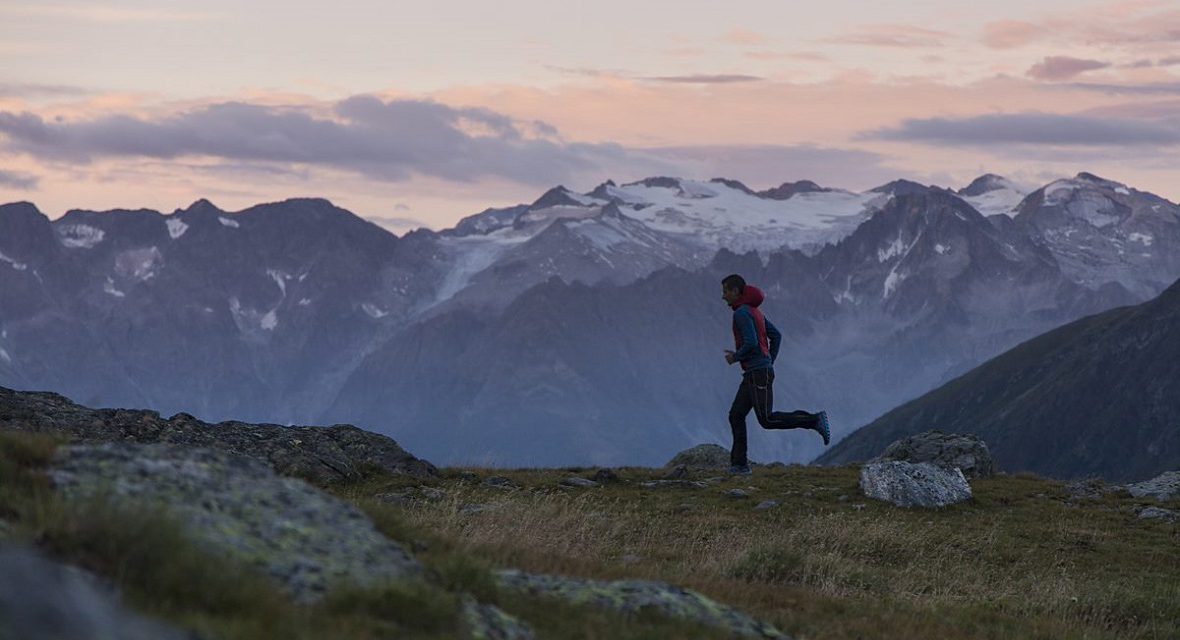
x=488, y=622
x=1162, y=487
x=632, y=596
x=302, y=537
x=40, y=598
x=701, y=457
x=321, y=455
x=962, y=451
x=1156, y=513
x=907, y=484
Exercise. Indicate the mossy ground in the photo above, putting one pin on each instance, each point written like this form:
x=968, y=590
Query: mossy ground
x=1020, y=560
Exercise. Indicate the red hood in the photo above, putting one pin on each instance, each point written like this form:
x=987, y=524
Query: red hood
x=751, y=295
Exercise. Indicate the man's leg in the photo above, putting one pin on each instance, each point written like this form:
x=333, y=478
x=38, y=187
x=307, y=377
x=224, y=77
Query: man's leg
x=762, y=397
x=738, y=411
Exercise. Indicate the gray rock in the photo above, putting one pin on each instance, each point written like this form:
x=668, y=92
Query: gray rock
x=633, y=596
x=473, y=509
x=1156, y=513
x=303, y=538
x=701, y=457
x=575, y=481
x=499, y=482
x=679, y=472
x=766, y=504
x=674, y=484
x=963, y=451
x=1090, y=489
x=736, y=493
x=488, y=622
x=631, y=558
x=40, y=598
x=431, y=494
x=1162, y=487
x=604, y=476
x=321, y=455
x=907, y=484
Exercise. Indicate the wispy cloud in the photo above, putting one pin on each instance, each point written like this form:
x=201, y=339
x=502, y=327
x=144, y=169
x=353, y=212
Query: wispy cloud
x=105, y=14
x=744, y=37
x=1030, y=129
x=892, y=35
x=1008, y=34
x=392, y=140
x=1063, y=67
x=29, y=89
x=705, y=78
x=18, y=180
x=763, y=54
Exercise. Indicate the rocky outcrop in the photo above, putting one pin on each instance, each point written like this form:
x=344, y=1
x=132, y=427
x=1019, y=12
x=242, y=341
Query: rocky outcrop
x=1162, y=487
x=304, y=539
x=321, y=455
x=703, y=457
x=488, y=622
x=906, y=484
x=962, y=451
x=632, y=596
x=40, y=598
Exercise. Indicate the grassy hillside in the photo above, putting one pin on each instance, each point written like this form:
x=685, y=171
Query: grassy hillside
x=1021, y=560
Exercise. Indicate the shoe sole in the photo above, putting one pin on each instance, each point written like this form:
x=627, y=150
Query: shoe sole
x=825, y=429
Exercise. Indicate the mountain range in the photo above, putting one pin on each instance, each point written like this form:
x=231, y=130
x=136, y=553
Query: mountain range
x=581, y=328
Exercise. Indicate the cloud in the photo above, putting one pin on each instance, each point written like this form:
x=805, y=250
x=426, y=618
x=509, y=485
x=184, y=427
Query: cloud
x=1063, y=67
x=705, y=79
x=1168, y=61
x=1152, y=88
x=782, y=55
x=744, y=37
x=892, y=35
x=106, y=14
x=390, y=141
x=18, y=180
x=1030, y=129
x=1007, y=34
x=30, y=89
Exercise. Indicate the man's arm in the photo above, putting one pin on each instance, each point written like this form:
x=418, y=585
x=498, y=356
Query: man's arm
x=745, y=325
x=775, y=338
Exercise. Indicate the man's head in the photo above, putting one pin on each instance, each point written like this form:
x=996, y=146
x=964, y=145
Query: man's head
x=732, y=287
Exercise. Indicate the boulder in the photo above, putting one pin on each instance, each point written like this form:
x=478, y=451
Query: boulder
x=701, y=457
x=1162, y=487
x=633, y=596
x=304, y=539
x=40, y=598
x=321, y=455
x=962, y=451
x=907, y=484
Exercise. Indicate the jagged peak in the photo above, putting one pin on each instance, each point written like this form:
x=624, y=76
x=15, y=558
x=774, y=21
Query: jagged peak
x=734, y=184
x=985, y=183
x=657, y=181
x=559, y=196
x=901, y=187
x=788, y=189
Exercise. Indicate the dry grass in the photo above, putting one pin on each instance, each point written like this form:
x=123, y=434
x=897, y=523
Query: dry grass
x=1020, y=560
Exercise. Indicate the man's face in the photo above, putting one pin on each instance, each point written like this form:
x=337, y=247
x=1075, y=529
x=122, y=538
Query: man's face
x=729, y=295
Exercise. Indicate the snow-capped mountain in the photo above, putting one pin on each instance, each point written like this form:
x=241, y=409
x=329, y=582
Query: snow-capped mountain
x=569, y=321
x=1103, y=232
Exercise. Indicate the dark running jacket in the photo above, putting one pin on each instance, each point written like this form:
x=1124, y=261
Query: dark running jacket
x=756, y=340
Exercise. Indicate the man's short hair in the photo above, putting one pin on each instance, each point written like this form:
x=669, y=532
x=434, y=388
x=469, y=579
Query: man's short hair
x=734, y=281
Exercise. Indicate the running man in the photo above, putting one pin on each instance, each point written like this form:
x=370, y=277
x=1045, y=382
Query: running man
x=756, y=344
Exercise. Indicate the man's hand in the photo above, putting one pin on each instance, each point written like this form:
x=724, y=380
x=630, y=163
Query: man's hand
x=729, y=359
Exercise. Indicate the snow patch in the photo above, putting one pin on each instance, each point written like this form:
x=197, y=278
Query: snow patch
x=893, y=250
x=226, y=222
x=19, y=266
x=79, y=236
x=280, y=279
x=176, y=227
x=891, y=281
x=4, y=355
x=304, y=302
x=1145, y=238
x=109, y=287
x=1122, y=190
x=269, y=321
x=138, y=264
x=373, y=311
x=941, y=249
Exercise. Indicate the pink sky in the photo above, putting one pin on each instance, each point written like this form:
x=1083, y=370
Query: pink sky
x=428, y=114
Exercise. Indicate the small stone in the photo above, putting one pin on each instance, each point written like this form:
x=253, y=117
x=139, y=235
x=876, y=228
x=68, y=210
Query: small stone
x=766, y=504
x=473, y=509
x=432, y=494
x=685, y=507
x=842, y=498
x=499, y=482
x=631, y=558
x=605, y=475
x=1156, y=513
x=575, y=481
x=468, y=476
x=858, y=506
x=677, y=473
x=906, y=484
x=736, y=494
x=399, y=499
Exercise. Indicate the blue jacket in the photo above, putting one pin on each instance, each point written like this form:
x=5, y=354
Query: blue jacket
x=756, y=339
